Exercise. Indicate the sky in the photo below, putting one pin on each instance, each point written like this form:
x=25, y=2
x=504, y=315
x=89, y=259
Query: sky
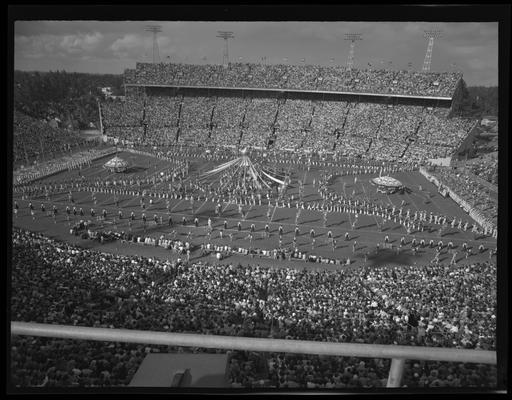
x=113, y=46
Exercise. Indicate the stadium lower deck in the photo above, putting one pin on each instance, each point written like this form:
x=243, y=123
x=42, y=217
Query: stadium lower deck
x=360, y=248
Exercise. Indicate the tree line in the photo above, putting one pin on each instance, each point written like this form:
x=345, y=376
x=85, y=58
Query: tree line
x=479, y=101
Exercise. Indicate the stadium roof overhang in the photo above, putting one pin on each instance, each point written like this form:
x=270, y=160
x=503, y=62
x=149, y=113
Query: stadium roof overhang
x=295, y=91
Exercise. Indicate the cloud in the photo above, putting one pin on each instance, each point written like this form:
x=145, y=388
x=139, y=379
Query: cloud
x=479, y=63
x=111, y=46
x=81, y=42
x=130, y=46
x=467, y=50
x=38, y=46
x=133, y=46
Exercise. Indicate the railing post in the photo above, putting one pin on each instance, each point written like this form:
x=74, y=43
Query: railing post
x=395, y=372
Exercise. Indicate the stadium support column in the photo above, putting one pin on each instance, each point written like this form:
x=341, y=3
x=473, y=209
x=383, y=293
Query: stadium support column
x=430, y=35
x=396, y=372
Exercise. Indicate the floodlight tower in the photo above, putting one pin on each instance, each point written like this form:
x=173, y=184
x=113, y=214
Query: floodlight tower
x=430, y=35
x=154, y=29
x=352, y=37
x=225, y=35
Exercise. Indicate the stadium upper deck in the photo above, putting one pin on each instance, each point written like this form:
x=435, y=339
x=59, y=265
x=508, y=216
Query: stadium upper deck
x=297, y=78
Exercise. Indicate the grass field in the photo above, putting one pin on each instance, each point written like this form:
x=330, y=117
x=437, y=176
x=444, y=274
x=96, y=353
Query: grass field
x=366, y=234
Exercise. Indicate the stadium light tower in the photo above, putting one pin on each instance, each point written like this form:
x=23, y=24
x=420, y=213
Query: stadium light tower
x=430, y=35
x=352, y=37
x=225, y=35
x=154, y=29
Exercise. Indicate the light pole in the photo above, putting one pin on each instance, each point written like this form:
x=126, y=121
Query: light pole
x=225, y=35
x=154, y=29
x=430, y=35
x=352, y=37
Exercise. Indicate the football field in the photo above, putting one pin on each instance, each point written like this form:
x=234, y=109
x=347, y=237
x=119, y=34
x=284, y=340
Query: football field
x=361, y=247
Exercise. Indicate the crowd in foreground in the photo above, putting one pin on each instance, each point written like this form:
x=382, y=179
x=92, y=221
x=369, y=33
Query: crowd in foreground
x=435, y=305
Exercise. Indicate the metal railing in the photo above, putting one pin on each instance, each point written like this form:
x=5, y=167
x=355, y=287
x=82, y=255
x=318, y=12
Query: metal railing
x=398, y=354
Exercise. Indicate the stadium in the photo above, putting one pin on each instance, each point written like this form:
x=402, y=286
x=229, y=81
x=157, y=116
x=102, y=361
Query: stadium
x=286, y=202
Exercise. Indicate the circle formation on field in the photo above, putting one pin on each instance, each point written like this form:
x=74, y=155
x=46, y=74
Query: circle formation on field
x=386, y=181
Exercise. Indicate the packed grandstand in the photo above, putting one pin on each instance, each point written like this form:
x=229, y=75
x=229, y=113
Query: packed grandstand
x=378, y=120
x=213, y=105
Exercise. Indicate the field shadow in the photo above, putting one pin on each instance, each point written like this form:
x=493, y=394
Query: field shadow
x=365, y=226
x=386, y=256
x=309, y=221
x=134, y=168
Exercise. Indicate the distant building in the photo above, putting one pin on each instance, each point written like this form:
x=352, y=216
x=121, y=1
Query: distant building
x=107, y=91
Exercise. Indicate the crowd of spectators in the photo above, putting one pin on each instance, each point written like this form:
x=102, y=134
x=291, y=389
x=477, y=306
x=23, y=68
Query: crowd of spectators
x=74, y=161
x=293, y=123
x=132, y=134
x=329, y=115
x=34, y=140
x=227, y=120
x=445, y=134
x=162, y=111
x=371, y=130
x=474, y=192
x=297, y=77
x=195, y=119
x=122, y=113
x=435, y=305
x=485, y=167
x=258, y=121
